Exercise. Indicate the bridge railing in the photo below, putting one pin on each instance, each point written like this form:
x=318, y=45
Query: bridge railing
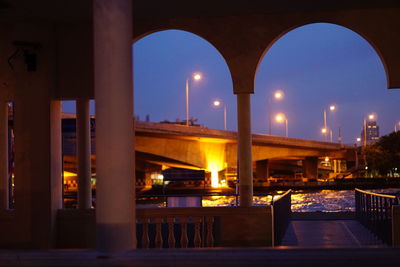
x=281, y=213
x=374, y=211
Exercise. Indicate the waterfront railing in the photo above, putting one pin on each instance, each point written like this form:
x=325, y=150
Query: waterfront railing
x=374, y=211
x=176, y=228
x=281, y=210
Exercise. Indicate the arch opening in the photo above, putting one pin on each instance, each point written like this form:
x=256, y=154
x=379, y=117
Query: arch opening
x=177, y=78
x=318, y=65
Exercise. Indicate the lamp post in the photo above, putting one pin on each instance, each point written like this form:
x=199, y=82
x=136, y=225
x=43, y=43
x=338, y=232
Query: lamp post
x=325, y=129
x=280, y=118
x=358, y=139
x=196, y=77
x=277, y=95
x=218, y=103
x=371, y=117
x=395, y=126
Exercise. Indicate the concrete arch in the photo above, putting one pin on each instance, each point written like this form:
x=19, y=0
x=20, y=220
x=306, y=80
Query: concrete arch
x=243, y=38
x=355, y=31
x=139, y=36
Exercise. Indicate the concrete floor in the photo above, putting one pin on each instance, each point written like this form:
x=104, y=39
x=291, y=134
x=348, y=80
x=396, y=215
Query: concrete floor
x=329, y=234
x=209, y=257
x=307, y=243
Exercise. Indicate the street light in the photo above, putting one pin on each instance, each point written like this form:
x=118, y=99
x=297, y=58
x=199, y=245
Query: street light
x=371, y=117
x=277, y=95
x=196, y=77
x=395, y=126
x=218, y=103
x=325, y=129
x=280, y=118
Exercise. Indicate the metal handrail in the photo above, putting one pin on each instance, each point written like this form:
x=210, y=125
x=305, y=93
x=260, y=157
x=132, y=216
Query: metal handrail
x=374, y=211
x=281, y=196
x=375, y=194
x=281, y=209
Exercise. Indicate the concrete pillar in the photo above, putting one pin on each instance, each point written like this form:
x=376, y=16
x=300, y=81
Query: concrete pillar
x=56, y=182
x=37, y=128
x=262, y=169
x=83, y=152
x=244, y=150
x=115, y=196
x=4, y=184
x=310, y=167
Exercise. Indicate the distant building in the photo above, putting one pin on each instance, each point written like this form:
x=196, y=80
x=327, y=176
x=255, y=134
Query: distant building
x=372, y=133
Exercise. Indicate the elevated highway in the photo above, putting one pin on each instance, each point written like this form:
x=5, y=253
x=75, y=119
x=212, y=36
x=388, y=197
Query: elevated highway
x=164, y=145
x=200, y=146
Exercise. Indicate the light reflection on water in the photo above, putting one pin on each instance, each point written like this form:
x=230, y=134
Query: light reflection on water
x=220, y=201
x=324, y=200
x=302, y=201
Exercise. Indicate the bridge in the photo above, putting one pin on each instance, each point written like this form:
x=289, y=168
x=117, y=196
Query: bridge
x=165, y=145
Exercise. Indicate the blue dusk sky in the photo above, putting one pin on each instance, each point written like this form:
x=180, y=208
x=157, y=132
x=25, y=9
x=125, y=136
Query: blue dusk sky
x=315, y=65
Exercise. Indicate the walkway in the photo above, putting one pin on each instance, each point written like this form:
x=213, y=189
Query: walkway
x=365, y=257
x=329, y=233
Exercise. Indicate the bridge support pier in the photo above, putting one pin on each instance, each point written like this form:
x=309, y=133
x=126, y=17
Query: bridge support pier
x=4, y=184
x=310, y=167
x=115, y=196
x=262, y=169
x=83, y=154
x=244, y=150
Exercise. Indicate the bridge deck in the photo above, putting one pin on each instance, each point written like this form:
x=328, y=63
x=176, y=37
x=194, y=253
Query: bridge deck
x=329, y=234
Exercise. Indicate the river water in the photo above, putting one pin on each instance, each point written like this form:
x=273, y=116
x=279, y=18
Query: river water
x=304, y=201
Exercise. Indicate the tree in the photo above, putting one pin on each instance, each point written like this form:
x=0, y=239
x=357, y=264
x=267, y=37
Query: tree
x=384, y=155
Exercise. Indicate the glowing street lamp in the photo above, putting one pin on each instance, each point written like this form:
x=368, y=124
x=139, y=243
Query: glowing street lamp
x=371, y=117
x=196, y=77
x=281, y=118
x=218, y=103
x=277, y=95
x=325, y=132
x=395, y=126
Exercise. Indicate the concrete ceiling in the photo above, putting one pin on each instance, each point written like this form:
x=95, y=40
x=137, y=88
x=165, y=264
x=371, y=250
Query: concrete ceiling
x=80, y=10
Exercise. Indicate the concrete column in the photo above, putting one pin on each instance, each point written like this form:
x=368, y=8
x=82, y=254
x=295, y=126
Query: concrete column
x=83, y=152
x=310, y=167
x=244, y=150
x=4, y=184
x=37, y=128
x=262, y=169
x=56, y=182
x=115, y=196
